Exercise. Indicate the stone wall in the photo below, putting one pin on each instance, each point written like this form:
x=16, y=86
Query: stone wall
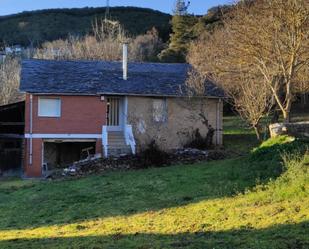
x=183, y=118
x=300, y=129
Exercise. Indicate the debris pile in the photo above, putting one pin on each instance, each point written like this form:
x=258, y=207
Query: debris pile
x=96, y=163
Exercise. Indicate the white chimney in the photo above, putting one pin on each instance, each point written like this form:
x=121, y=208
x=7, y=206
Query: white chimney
x=125, y=61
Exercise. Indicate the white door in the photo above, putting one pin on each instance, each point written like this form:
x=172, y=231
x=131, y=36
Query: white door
x=114, y=114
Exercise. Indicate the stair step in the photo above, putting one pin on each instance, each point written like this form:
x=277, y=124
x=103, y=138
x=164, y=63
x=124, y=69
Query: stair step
x=117, y=144
x=116, y=140
x=118, y=152
x=123, y=145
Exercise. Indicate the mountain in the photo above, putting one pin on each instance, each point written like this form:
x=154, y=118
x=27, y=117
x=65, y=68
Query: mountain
x=36, y=27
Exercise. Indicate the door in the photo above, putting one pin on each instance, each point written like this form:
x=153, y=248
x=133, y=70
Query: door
x=114, y=114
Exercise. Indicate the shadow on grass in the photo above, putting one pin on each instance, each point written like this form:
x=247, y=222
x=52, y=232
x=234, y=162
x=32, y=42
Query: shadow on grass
x=241, y=144
x=127, y=193
x=292, y=236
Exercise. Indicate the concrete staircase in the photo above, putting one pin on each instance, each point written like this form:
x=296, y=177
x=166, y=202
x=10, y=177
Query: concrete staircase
x=117, y=145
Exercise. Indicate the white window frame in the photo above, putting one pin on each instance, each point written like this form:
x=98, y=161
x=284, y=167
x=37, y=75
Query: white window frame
x=48, y=116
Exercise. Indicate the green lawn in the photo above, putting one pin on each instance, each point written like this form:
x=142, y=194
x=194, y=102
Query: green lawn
x=225, y=204
x=247, y=202
x=238, y=137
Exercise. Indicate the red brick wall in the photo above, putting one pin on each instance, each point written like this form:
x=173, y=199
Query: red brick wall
x=79, y=115
x=34, y=170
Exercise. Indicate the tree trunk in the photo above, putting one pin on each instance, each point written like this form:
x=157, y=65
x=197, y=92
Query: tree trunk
x=304, y=100
x=275, y=117
x=286, y=116
x=257, y=132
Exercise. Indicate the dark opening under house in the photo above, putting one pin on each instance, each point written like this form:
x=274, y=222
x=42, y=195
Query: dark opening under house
x=59, y=154
x=12, y=123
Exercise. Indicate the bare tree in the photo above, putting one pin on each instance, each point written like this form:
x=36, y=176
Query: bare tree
x=103, y=44
x=250, y=102
x=265, y=40
x=146, y=47
x=9, y=81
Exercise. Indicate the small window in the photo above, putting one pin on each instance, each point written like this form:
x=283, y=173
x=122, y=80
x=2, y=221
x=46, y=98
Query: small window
x=160, y=110
x=49, y=107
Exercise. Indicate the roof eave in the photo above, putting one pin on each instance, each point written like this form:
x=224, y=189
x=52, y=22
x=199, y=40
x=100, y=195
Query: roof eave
x=125, y=94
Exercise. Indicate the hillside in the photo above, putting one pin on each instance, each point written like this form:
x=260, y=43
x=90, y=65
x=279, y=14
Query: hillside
x=254, y=202
x=46, y=25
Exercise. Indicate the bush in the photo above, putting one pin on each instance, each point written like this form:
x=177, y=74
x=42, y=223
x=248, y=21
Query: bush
x=199, y=142
x=153, y=156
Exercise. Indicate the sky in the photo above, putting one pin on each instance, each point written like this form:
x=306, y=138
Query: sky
x=15, y=6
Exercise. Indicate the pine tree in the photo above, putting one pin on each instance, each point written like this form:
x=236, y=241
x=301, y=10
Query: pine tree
x=183, y=33
x=181, y=8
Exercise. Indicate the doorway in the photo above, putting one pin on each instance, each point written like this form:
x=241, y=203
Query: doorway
x=115, y=114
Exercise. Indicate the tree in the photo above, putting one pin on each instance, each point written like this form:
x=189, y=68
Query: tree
x=264, y=40
x=182, y=34
x=103, y=44
x=146, y=47
x=181, y=8
x=250, y=102
x=9, y=81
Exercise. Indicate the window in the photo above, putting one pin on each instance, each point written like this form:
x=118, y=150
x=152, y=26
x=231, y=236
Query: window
x=160, y=110
x=49, y=107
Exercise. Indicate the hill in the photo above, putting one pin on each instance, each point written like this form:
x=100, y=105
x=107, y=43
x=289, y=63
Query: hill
x=36, y=27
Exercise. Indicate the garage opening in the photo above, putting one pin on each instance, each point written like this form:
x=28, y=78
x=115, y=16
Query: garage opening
x=61, y=154
x=12, y=125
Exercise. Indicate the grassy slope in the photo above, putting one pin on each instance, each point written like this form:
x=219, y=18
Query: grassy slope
x=193, y=206
x=238, y=137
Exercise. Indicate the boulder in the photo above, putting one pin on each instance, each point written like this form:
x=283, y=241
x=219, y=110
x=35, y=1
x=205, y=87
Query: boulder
x=300, y=129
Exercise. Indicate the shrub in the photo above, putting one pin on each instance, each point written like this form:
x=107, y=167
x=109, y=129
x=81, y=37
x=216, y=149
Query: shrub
x=153, y=156
x=199, y=142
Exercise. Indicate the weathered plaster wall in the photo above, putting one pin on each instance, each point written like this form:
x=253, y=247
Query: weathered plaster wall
x=183, y=119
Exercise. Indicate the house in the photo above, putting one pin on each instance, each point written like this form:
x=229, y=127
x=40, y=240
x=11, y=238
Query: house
x=75, y=107
x=16, y=49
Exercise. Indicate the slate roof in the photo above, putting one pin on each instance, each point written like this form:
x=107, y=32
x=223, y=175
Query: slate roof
x=100, y=77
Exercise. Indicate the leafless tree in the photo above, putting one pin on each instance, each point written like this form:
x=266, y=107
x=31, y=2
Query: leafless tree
x=146, y=47
x=264, y=40
x=104, y=43
x=250, y=102
x=9, y=81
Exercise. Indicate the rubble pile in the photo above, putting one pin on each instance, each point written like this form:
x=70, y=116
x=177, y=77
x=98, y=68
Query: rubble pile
x=96, y=164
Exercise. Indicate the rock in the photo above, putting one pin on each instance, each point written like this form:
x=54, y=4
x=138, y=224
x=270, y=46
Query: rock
x=278, y=129
x=300, y=129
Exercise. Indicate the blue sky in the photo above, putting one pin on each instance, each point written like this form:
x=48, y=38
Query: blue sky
x=15, y=6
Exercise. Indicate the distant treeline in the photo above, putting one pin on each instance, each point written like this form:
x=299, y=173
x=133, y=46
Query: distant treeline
x=36, y=27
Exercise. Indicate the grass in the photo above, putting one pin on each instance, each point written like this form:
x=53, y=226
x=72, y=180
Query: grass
x=238, y=137
x=244, y=203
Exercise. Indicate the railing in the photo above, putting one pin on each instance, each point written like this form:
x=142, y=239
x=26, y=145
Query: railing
x=105, y=141
x=129, y=137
